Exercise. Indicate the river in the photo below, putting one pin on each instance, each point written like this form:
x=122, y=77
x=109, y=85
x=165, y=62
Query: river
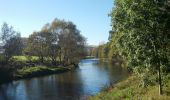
x=90, y=78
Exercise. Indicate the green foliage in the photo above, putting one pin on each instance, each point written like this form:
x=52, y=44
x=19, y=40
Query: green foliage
x=20, y=67
x=25, y=58
x=1, y=58
x=11, y=43
x=88, y=57
x=102, y=51
x=140, y=33
x=57, y=44
x=57, y=40
x=106, y=52
x=18, y=62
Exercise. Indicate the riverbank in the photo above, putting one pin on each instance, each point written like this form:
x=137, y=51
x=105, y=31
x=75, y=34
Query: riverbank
x=21, y=67
x=37, y=71
x=129, y=89
x=88, y=57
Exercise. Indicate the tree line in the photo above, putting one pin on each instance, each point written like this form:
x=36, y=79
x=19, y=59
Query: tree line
x=58, y=43
x=104, y=51
x=11, y=43
x=107, y=51
x=140, y=36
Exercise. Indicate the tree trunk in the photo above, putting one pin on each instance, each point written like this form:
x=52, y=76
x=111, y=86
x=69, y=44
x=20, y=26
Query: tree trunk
x=41, y=59
x=60, y=57
x=160, y=81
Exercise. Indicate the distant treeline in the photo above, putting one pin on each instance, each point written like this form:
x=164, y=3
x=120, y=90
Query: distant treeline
x=140, y=36
x=105, y=52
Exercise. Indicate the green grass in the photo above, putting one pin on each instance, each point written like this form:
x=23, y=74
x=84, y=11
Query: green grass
x=22, y=67
x=2, y=58
x=25, y=58
x=38, y=71
x=89, y=57
x=35, y=70
x=129, y=89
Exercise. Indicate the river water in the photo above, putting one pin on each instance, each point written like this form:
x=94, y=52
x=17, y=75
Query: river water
x=89, y=79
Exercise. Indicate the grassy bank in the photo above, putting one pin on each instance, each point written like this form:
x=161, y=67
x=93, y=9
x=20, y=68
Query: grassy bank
x=88, y=57
x=20, y=67
x=29, y=72
x=129, y=89
x=38, y=71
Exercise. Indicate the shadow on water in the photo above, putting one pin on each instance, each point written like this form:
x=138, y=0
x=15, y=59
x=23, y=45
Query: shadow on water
x=90, y=78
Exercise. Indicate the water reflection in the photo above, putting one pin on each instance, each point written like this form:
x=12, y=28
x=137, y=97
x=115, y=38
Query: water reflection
x=90, y=78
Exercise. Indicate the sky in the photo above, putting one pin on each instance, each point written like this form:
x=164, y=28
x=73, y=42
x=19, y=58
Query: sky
x=90, y=16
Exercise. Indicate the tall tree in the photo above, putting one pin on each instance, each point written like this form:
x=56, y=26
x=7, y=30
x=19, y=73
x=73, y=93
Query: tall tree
x=37, y=45
x=71, y=42
x=58, y=40
x=13, y=47
x=141, y=32
x=11, y=41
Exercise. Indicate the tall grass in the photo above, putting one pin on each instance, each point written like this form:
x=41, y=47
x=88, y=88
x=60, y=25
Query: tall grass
x=129, y=89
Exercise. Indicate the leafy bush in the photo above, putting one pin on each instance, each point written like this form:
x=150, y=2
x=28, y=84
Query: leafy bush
x=17, y=64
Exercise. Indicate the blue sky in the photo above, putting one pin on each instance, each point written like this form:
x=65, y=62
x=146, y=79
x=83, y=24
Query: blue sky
x=90, y=16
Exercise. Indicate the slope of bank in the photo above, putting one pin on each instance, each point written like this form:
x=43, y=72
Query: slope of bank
x=39, y=71
x=129, y=89
x=29, y=72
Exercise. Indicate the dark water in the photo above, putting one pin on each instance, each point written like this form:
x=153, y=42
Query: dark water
x=91, y=78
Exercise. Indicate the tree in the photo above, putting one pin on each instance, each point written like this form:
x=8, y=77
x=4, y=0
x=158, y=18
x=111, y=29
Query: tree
x=57, y=40
x=50, y=42
x=141, y=34
x=13, y=47
x=37, y=45
x=6, y=32
x=67, y=41
x=11, y=41
x=55, y=28
x=71, y=43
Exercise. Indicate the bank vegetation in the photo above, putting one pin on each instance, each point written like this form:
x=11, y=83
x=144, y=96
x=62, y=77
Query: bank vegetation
x=57, y=46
